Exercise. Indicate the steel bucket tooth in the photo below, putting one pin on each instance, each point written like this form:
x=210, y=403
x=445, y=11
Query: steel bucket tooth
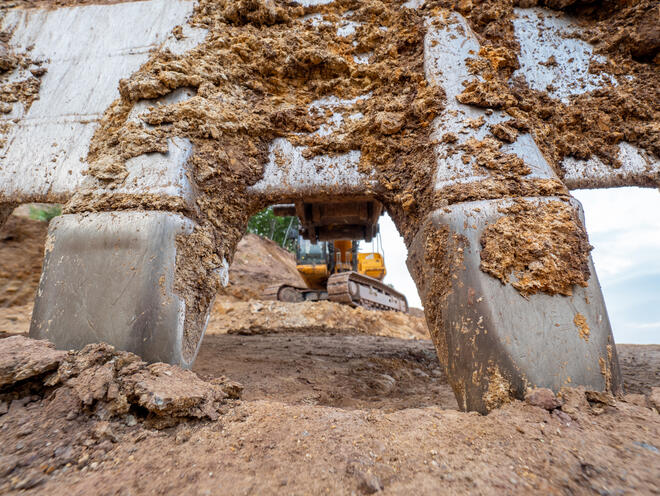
x=112, y=277
x=495, y=342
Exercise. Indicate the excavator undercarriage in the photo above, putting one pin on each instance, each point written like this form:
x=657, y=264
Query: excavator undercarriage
x=351, y=288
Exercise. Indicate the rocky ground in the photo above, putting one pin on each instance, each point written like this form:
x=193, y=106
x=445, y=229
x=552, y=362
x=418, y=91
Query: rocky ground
x=349, y=402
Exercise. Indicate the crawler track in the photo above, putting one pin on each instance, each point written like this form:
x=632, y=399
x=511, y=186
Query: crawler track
x=350, y=288
x=359, y=290
x=293, y=294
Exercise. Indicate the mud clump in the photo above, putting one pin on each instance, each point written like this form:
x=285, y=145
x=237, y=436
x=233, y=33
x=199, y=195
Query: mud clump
x=488, y=94
x=103, y=383
x=580, y=322
x=595, y=122
x=436, y=250
x=20, y=80
x=24, y=359
x=487, y=154
x=543, y=246
x=198, y=279
x=499, y=392
x=543, y=398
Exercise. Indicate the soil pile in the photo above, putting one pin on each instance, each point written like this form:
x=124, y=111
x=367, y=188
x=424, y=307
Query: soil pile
x=259, y=263
x=265, y=317
x=21, y=256
x=105, y=383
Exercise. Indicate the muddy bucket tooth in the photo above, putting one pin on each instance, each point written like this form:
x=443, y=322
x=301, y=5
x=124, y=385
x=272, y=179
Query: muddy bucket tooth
x=495, y=342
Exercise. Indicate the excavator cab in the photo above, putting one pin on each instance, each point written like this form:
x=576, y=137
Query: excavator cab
x=312, y=262
x=343, y=256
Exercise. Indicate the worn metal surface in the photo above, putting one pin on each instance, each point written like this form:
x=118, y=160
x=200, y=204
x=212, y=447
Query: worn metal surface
x=544, y=34
x=533, y=341
x=47, y=146
x=109, y=277
x=446, y=48
x=289, y=175
x=638, y=168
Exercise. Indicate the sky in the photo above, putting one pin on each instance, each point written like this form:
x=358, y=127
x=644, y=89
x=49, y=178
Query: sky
x=624, y=228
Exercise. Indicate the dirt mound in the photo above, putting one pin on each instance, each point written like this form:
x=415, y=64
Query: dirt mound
x=102, y=382
x=86, y=401
x=21, y=255
x=259, y=263
x=266, y=317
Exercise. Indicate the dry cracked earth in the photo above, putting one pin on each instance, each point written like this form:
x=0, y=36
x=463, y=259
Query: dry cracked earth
x=290, y=400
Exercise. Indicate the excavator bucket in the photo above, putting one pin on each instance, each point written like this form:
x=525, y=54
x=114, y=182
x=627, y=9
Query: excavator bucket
x=162, y=125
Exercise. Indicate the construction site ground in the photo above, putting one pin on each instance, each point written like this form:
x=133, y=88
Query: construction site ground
x=334, y=401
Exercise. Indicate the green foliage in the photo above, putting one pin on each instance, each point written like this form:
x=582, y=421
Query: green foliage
x=267, y=225
x=45, y=213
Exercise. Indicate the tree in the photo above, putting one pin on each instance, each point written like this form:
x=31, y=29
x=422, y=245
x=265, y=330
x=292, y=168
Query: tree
x=267, y=225
x=45, y=213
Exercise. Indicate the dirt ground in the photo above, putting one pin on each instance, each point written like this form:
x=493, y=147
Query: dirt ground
x=340, y=415
x=21, y=253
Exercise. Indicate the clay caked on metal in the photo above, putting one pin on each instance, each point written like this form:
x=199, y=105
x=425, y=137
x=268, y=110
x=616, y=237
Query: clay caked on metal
x=163, y=125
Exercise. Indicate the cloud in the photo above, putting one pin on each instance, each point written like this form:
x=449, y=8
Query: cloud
x=647, y=325
x=624, y=227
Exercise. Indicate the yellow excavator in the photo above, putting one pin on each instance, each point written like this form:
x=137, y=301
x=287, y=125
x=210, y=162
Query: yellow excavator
x=334, y=270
